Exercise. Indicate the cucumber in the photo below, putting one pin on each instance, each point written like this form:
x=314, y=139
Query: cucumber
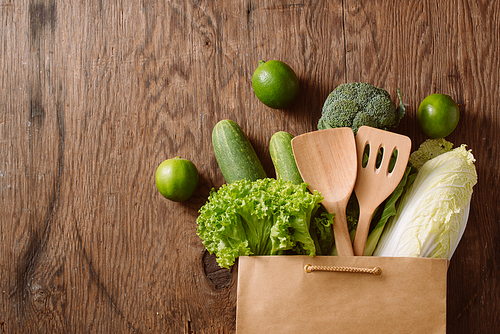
x=235, y=155
x=280, y=147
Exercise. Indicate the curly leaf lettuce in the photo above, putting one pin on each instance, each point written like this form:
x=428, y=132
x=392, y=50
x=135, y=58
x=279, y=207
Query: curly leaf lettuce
x=262, y=217
x=433, y=213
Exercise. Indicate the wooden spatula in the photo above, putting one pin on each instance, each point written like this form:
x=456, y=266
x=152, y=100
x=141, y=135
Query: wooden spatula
x=375, y=182
x=327, y=161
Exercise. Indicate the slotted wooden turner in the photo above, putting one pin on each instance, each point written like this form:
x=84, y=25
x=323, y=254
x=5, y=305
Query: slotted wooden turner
x=327, y=161
x=375, y=182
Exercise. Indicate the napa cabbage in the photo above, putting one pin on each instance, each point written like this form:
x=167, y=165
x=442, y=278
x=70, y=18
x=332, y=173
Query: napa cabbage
x=432, y=215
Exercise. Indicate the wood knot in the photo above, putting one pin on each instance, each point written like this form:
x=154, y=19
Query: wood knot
x=220, y=277
x=39, y=296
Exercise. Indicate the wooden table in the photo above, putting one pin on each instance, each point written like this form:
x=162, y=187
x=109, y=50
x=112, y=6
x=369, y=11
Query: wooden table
x=95, y=94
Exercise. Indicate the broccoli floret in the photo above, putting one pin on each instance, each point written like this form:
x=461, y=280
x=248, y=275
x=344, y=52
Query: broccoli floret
x=428, y=150
x=356, y=104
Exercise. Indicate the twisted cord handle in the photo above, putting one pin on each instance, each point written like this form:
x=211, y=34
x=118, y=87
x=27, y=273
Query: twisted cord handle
x=374, y=271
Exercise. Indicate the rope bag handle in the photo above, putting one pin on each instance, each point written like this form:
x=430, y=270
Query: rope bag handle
x=308, y=268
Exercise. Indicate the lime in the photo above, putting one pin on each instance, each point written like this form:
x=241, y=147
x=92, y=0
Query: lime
x=176, y=179
x=438, y=115
x=275, y=84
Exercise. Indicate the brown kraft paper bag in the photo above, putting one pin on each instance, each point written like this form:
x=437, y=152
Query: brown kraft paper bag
x=353, y=294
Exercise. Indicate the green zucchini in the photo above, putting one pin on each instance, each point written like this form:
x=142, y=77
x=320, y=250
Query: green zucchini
x=234, y=153
x=280, y=147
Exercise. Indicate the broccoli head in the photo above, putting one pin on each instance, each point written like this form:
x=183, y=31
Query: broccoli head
x=356, y=104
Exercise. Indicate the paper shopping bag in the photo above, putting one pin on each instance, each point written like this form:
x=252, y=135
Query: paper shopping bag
x=331, y=294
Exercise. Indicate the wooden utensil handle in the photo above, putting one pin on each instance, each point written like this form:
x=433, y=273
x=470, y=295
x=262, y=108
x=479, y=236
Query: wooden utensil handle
x=362, y=232
x=341, y=232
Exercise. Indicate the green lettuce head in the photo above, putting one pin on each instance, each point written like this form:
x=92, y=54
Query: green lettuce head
x=263, y=217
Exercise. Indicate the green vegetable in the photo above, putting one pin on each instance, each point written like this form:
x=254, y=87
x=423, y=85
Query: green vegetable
x=234, y=153
x=280, y=148
x=321, y=231
x=429, y=149
x=433, y=213
x=263, y=217
x=388, y=210
x=356, y=104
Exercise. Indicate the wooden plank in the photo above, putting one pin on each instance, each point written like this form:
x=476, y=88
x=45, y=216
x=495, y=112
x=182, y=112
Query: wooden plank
x=444, y=47
x=94, y=95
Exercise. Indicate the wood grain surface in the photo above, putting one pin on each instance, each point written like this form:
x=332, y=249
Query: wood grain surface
x=95, y=94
